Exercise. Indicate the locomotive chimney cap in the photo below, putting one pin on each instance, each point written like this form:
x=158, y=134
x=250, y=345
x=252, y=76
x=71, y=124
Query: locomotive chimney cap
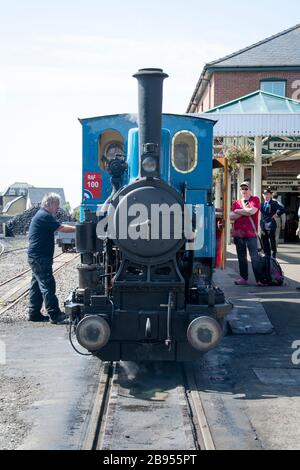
x=151, y=71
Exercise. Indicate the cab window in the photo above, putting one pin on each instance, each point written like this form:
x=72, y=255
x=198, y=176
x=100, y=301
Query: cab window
x=184, y=152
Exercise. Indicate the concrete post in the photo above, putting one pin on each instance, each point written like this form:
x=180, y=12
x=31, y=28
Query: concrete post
x=252, y=177
x=218, y=192
x=257, y=166
x=240, y=179
x=229, y=204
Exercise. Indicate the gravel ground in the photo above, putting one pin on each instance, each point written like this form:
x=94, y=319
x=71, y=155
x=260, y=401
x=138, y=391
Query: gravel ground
x=13, y=263
x=66, y=281
x=16, y=394
x=19, y=393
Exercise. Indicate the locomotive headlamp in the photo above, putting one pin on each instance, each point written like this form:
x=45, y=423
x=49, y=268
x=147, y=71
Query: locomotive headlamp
x=204, y=333
x=149, y=164
x=93, y=332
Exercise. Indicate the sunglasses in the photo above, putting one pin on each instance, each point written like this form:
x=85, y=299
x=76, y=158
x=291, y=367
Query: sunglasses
x=244, y=188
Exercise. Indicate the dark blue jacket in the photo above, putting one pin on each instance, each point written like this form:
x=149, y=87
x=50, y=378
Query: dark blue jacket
x=41, y=235
x=267, y=222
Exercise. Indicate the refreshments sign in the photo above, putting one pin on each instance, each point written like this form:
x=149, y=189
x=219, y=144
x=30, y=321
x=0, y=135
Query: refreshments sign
x=291, y=145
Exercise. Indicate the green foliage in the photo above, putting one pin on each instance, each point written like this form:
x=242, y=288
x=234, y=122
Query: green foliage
x=76, y=213
x=239, y=154
x=67, y=207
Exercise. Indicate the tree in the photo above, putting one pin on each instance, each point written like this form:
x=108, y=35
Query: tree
x=67, y=207
x=76, y=213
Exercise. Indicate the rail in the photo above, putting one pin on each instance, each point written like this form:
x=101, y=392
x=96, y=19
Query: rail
x=99, y=431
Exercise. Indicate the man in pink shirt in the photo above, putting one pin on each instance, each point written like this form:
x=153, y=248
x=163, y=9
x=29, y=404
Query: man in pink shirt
x=245, y=213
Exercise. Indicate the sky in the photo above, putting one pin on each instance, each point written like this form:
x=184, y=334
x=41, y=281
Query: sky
x=61, y=60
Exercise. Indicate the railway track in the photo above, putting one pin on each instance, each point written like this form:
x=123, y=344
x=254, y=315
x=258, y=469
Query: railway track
x=14, y=250
x=128, y=413
x=3, y=251
x=2, y=248
x=22, y=273
x=17, y=287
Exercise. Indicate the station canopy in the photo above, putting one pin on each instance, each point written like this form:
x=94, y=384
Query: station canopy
x=257, y=114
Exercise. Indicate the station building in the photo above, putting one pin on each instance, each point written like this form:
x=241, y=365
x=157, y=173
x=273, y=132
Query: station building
x=271, y=65
x=254, y=94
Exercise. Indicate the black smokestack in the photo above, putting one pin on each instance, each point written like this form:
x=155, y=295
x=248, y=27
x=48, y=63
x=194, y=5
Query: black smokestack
x=150, y=85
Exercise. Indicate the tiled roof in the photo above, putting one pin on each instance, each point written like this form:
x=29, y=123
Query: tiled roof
x=282, y=49
x=36, y=194
x=21, y=185
x=16, y=186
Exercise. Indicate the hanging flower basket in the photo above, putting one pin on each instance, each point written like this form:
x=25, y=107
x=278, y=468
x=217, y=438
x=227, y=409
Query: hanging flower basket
x=239, y=155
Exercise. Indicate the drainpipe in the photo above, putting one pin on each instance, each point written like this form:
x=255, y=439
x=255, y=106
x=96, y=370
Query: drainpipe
x=209, y=86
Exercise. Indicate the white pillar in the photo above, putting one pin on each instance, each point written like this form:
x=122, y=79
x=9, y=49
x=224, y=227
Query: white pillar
x=229, y=204
x=218, y=192
x=252, y=177
x=241, y=178
x=257, y=166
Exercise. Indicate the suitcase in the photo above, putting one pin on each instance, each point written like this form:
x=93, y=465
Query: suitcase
x=271, y=272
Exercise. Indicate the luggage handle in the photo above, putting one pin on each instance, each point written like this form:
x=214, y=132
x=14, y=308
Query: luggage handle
x=261, y=248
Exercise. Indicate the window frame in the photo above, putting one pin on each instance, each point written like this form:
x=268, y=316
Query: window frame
x=196, y=152
x=273, y=80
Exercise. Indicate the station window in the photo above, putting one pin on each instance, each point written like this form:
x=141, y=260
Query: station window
x=184, y=151
x=277, y=87
x=110, y=144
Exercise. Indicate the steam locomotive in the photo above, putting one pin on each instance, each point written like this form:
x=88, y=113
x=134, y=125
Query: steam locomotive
x=147, y=236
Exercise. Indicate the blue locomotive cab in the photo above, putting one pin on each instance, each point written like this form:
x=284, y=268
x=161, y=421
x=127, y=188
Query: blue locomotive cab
x=185, y=162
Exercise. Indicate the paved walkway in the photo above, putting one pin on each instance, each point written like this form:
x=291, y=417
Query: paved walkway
x=249, y=316
x=250, y=384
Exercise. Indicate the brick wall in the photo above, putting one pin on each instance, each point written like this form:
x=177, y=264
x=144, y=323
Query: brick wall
x=229, y=86
x=290, y=168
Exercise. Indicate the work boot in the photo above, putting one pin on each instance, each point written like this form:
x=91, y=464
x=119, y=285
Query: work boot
x=60, y=319
x=38, y=318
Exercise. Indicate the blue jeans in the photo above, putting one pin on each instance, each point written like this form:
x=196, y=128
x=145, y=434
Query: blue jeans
x=42, y=288
x=241, y=248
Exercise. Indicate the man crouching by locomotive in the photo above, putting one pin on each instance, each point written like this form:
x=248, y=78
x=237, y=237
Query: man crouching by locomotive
x=40, y=259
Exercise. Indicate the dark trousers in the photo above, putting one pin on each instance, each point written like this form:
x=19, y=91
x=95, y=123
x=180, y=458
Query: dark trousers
x=241, y=248
x=269, y=238
x=42, y=288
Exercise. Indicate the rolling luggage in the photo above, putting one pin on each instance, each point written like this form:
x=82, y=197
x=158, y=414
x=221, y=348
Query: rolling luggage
x=276, y=274
x=271, y=272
